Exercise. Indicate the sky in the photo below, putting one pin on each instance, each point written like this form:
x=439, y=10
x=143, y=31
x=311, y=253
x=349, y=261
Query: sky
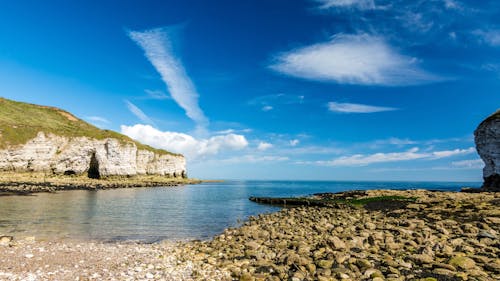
x=277, y=89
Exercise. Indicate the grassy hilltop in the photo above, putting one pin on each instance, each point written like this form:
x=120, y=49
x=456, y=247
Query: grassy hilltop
x=20, y=122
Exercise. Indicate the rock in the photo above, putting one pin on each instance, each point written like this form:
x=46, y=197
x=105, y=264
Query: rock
x=445, y=266
x=363, y=264
x=370, y=226
x=462, y=262
x=421, y=258
x=325, y=264
x=252, y=245
x=443, y=271
x=337, y=243
x=5, y=240
x=485, y=234
x=487, y=138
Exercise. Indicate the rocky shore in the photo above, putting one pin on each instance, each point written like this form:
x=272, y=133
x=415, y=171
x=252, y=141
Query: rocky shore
x=26, y=183
x=433, y=236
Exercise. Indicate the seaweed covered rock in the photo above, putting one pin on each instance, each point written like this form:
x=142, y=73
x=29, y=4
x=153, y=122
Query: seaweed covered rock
x=487, y=138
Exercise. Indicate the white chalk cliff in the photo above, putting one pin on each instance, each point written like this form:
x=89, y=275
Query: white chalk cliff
x=487, y=138
x=51, y=153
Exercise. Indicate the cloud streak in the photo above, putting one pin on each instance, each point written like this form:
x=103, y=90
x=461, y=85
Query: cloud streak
x=489, y=37
x=353, y=59
x=157, y=48
x=139, y=113
x=98, y=119
x=469, y=164
x=411, y=154
x=356, y=108
x=360, y=4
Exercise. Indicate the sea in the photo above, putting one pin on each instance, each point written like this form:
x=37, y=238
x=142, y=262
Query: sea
x=149, y=215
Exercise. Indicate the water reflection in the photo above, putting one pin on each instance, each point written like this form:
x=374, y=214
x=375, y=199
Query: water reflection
x=152, y=214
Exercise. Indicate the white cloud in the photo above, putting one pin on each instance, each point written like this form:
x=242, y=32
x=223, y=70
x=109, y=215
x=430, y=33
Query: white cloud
x=294, y=142
x=156, y=94
x=411, y=154
x=158, y=50
x=98, y=119
x=232, y=131
x=360, y=4
x=398, y=141
x=353, y=59
x=356, y=108
x=472, y=164
x=449, y=153
x=452, y=5
x=267, y=108
x=139, y=113
x=185, y=144
x=264, y=146
x=253, y=159
x=490, y=37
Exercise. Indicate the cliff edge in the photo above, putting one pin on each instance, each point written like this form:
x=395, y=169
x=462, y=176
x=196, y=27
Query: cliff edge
x=36, y=138
x=487, y=138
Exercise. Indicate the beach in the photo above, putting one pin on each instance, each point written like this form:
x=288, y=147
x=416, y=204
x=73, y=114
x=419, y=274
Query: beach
x=436, y=236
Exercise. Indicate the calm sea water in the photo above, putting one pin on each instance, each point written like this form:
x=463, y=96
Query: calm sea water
x=153, y=214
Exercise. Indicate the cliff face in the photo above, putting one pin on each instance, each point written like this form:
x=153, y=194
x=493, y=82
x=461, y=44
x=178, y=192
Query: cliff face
x=80, y=155
x=487, y=138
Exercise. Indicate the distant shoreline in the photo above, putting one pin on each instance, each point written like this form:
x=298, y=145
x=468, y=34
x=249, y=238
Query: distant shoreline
x=28, y=183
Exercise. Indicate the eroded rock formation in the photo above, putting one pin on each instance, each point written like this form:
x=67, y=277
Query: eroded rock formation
x=487, y=138
x=82, y=155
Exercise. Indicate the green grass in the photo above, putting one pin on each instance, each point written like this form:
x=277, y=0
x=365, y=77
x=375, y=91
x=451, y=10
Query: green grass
x=20, y=122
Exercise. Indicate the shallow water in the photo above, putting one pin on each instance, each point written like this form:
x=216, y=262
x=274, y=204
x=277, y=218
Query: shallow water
x=153, y=214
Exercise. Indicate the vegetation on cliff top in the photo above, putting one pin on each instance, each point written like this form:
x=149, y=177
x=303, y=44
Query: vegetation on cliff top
x=20, y=122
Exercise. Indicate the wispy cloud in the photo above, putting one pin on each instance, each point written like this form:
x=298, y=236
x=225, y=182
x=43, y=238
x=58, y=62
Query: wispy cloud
x=157, y=94
x=266, y=108
x=98, y=119
x=193, y=148
x=452, y=5
x=264, y=146
x=139, y=113
x=449, y=153
x=360, y=4
x=411, y=154
x=357, y=108
x=157, y=47
x=294, y=142
x=252, y=159
x=490, y=37
x=353, y=59
x=269, y=102
x=232, y=131
x=472, y=164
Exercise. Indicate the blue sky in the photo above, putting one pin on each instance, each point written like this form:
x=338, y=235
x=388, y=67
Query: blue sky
x=325, y=90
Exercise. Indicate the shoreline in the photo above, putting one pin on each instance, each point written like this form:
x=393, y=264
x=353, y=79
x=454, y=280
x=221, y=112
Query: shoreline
x=439, y=236
x=29, y=183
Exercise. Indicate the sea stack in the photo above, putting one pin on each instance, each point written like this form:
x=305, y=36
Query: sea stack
x=487, y=138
